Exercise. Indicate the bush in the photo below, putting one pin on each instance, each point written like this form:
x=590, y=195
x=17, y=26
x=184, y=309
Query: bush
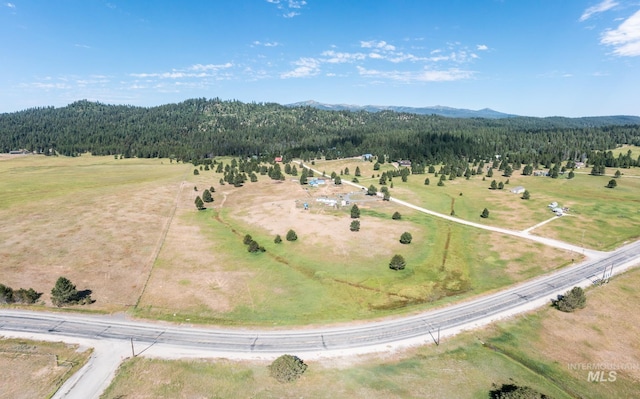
x=512, y=391
x=485, y=213
x=26, y=296
x=6, y=294
x=291, y=235
x=355, y=225
x=571, y=300
x=397, y=262
x=406, y=238
x=287, y=368
x=278, y=239
x=247, y=239
x=396, y=216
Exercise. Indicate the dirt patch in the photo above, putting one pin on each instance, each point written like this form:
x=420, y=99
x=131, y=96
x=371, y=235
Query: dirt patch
x=35, y=369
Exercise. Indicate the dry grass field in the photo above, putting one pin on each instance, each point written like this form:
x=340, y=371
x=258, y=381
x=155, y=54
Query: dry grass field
x=94, y=220
x=128, y=230
x=204, y=273
x=33, y=369
x=543, y=350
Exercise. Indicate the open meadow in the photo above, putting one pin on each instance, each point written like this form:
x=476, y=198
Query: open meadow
x=204, y=272
x=95, y=220
x=128, y=230
x=546, y=350
x=597, y=217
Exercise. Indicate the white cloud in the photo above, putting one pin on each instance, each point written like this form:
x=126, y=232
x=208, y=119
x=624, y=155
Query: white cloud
x=265, y=44
x=382, y=45
x=289, y=6
x=626, y=38
x=210, y=67
x=482, y=47
x=340, y=58
x=426, y=75
x=306, y=67
x=10, y=5
x=603, y=6
x=297, y=3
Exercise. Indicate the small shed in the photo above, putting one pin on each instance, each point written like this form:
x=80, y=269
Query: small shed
x=518, y=190
x=404, y=162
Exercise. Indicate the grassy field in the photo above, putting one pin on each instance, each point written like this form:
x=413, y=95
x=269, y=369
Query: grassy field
x=544, y=350
x=128, y=230
x=33, y=369
x=330, y=274
x=598, y=217
x=94, y=220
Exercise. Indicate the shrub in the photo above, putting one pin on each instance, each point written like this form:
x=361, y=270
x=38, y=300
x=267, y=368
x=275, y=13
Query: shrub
x=247, y=239
x=485, y=213
x=396, y=216
x=278, y=239
x=287, y=368
x=355, y=225
x=512, y=391
x=571, y=300
x=406, y=238
x=291, y=235
x=397, y=262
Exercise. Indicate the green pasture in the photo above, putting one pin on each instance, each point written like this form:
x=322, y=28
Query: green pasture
x=445, y=262
x=598, y=217
x=30, y=178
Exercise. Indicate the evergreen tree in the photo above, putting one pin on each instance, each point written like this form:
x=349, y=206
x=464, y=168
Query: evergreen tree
x=355, y=212
x=396, y=216
x=199, y=203
x=206, y=196
x=526, y=195
x=64, y=292
x=485, y=213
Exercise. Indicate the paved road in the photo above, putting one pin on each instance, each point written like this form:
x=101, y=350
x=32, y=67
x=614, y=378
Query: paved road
x=464, y=315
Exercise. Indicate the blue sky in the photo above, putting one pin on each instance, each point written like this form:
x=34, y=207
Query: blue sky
x=527, y=57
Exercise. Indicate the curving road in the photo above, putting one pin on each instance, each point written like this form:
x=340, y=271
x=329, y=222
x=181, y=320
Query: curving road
x=464, y=315
x=111, y=336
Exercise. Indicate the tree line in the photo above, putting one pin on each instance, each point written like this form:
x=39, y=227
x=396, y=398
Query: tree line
x=205, y=128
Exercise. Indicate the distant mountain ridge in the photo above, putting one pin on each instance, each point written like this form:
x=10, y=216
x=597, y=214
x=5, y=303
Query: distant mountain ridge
x=486, y=113
x=437, y=110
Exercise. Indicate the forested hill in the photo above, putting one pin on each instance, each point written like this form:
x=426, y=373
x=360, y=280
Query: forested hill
x=201, y=128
